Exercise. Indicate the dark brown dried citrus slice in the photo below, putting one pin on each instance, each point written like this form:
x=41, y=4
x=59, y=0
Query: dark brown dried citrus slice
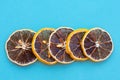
x=57, y=45
x=74, y=43
x=40, y=46
x=97, y=44
x=18, y=47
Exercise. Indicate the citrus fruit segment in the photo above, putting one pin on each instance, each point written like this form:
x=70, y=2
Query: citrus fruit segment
x=97, y=44
x=73, y=44
x=18, y=47
x=57, y=45
x=40, y=46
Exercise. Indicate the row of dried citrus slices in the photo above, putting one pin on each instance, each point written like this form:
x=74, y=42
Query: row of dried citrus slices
x=63, y=45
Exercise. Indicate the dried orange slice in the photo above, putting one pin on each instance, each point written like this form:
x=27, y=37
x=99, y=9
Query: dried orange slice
x=97, y=44
x=73, y=44
x=57, y=45
x=40, y=46
x=18, y=47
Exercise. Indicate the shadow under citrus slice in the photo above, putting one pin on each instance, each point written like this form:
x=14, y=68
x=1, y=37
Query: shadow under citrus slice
x=97, y=44
x=18, y=47
x=57, y=45
x=73, y=44
x=40, y=46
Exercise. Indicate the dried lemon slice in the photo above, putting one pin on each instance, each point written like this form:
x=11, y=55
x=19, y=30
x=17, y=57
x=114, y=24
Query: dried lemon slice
x=97, y=44
x=73, y=44
x=57, y=45
x=18, y=47
x=40, y=46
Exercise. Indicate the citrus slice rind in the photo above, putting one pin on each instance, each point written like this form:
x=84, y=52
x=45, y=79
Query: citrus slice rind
x=97, y=44
x=73, y=44
x=57, y=45
x=18, y=47
x=40, y=46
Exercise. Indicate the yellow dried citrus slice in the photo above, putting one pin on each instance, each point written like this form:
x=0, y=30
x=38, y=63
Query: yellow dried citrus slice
x=97, y=44
x=57, y=45
x=18, y=47
x=40, y=46
x=73, y=44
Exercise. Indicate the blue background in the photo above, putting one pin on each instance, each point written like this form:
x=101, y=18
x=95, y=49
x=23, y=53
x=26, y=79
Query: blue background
x=36, y=14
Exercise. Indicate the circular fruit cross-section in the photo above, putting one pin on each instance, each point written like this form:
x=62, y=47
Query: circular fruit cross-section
x=40, y=46
x=18, y=47
x=57, y=45
x=73, y=44
x=97, y=44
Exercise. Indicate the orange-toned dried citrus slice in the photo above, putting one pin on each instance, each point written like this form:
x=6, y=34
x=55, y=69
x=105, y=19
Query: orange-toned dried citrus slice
x=97, y=44
x=18, y=47
x=40, y=46
x=57, y=45
x=74, y=43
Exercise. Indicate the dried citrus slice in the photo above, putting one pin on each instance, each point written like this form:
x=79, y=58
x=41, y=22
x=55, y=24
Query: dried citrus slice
x=57, y=45
x=97, y=44
x=40, y=46
x=73, y=44
x=18, y=47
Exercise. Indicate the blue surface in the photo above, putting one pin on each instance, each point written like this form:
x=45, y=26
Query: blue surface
x=36, y=14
